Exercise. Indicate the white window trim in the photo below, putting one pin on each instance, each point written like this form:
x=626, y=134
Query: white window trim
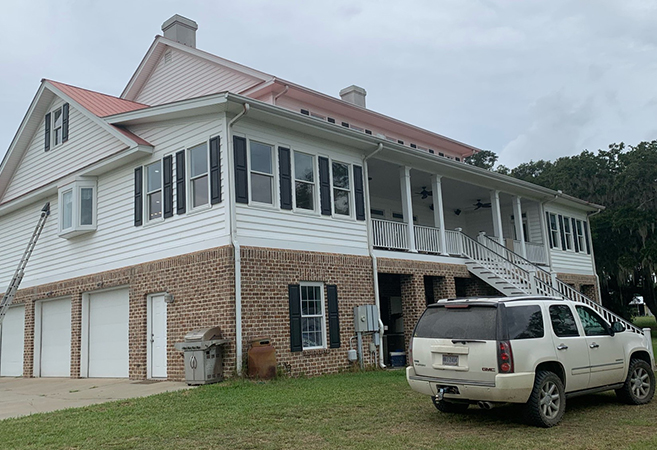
x=568, y=234
x=581, y=238
x=323, y=315
x=76, y=227
x=188, y=178
x=274, y=175
x=556, y=240
x=315, y=184
x=350, y=167
x=146, y=206
x=53, y=142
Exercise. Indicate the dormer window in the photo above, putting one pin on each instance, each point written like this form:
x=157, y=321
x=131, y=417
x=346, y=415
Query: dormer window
x=56, y=127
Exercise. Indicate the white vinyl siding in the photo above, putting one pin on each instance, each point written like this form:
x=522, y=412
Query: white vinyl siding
x=39, y=168
x=187, y=76
x=570, y=261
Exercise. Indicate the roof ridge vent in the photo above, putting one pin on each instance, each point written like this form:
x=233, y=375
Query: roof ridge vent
x=354, y=94
x=181, y=29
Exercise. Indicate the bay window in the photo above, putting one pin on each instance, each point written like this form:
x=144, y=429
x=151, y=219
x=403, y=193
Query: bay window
x=77, y=208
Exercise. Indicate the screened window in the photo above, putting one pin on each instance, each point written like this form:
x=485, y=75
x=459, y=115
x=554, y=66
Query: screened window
x=593, y=324
x=524, y=322
x=568, y=233
x=304, y=181
x=341, y=189
x=154, y=190
x=312, y=315
x=198, y=175
x=563, y=321
x=554, y=230
x=579, y=232
x=86, y=206
x=262, y=172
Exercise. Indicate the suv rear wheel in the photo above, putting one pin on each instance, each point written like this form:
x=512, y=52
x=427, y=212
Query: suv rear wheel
x=547, y=401
x=639, y=386
x=449, y=407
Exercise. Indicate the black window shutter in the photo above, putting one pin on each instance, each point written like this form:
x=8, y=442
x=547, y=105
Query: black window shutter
x=181, y=194
x=167, y=166
x=47, y=135
x=138, y=200
x=358, y=193
x=241, y=170
x=215, y=171
x=575, y=235
x=586, y=237
x=65, y=122
x=333, y=315
x=563, y=236
x=549, y=228
x=324, y=186
x=294, y=291
x=285, y=172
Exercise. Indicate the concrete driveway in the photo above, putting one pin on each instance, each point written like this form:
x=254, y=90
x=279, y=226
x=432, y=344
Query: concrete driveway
x=25, y=396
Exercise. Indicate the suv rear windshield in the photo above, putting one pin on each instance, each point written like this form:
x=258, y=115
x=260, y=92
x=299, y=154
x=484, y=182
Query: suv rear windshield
x=471, y=322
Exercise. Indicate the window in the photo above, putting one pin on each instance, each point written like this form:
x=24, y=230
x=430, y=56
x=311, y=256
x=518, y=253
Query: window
x=198, y=175
x=475, y=322
x=77, y=208
x=154, y=190
x=563, y=321
x=553, y=230
x=304, y=181
x=57, y=127
x=262, y=172
x=341, y=189
x=567, y=233
x=579, y=235
x=525, y=229
x=593, y=324
x=524, y=322
x=312, y=315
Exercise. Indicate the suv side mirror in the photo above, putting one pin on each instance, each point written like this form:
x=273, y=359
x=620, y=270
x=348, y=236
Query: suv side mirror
x=617, y=327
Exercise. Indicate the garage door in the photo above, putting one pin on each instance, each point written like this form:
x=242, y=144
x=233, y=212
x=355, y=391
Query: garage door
x=108, y=334
x=55, y=338
x=11, y=342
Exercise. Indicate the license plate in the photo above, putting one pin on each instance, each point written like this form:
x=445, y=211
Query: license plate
x=450, y=360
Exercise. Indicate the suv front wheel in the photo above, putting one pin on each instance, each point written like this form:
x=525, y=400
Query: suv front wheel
x=547, y=402
x=639, y=386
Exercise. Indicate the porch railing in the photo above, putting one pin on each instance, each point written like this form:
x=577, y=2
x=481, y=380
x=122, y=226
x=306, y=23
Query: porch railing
x=535, y=252
x=454, y=242
x=427, y=239
x=389, y=234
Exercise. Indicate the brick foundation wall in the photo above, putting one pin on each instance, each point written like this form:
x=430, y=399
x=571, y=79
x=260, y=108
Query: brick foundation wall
x=586, y=284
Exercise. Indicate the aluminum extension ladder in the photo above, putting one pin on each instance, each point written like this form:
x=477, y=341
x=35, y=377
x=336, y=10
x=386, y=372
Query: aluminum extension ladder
x=18, y=276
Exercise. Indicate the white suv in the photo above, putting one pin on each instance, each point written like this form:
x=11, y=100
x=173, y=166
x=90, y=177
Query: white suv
x=532, y=350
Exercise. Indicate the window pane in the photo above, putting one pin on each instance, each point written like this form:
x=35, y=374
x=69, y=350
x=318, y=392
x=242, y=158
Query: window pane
x=593, y=324
x=200, y=191
x=153, y=177
x=476, y=322
x=311, y=331
x=305, y=195
x=303, y=167
x=261, y=158
x=155, y=205
x=340, y=175
x=67, y=210
x=524, y=322
x=261, y=188
x=58, y=118
x=86, y=206
x=563, y=321
x=198, y=160
x=341, y=201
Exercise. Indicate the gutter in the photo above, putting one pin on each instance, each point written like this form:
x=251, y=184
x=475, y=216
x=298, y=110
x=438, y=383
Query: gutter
x=370, y=248
x=282, y=93
x=236, y=245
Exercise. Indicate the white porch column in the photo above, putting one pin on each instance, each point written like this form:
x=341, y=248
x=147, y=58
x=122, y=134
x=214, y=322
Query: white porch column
x=407, y=204
x=497, y=215
x=438, y=211
x=520, y=233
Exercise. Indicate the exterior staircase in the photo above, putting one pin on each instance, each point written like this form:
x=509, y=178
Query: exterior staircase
x=513, y=275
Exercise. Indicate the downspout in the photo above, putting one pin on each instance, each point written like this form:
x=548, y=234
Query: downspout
x=280, y=94
x=236, y=245
x=370, y=247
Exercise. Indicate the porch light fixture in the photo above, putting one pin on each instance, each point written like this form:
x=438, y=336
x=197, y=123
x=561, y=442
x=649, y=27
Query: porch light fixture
x=457, y=211
x=168, y=298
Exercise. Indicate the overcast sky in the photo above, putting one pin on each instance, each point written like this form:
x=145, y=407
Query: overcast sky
x=525, y=79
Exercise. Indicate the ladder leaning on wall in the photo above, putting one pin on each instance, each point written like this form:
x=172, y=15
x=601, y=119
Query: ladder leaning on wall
x=8, y=298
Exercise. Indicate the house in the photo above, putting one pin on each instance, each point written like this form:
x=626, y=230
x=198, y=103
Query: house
x=212, y=194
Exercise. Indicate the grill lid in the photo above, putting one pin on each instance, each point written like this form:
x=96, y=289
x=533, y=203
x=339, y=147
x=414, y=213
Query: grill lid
x=204, y=334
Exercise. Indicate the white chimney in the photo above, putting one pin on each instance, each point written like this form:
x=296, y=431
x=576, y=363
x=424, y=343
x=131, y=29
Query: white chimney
x=181, y=29
x=354, y=94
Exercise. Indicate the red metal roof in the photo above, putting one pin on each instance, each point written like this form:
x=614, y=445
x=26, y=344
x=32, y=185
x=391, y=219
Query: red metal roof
x=101, y=105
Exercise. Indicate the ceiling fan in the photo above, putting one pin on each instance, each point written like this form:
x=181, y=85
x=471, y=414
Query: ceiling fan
x=424, y=193
x=479, y=204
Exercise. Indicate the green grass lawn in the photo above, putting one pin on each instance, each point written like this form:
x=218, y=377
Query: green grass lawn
x=648, y=322
x=371, y=410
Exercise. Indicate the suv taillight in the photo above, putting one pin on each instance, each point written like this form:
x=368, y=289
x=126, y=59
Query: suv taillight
x=504, y=357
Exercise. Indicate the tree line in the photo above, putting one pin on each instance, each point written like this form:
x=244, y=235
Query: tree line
x=624, y=180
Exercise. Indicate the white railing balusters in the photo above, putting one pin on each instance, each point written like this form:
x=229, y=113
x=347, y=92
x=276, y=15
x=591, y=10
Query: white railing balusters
x=427, y=239
x=389, y=234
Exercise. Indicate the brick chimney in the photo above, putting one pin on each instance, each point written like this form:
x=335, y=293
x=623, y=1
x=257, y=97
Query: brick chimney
x=181, y=29
x=354, y=94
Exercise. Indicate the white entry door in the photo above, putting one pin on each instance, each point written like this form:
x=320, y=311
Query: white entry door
x=107, y=339
x=12, y=333
x=158, y=336
x=53, y=346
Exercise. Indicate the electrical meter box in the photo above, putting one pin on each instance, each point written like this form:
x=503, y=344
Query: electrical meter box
x=366, y=319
